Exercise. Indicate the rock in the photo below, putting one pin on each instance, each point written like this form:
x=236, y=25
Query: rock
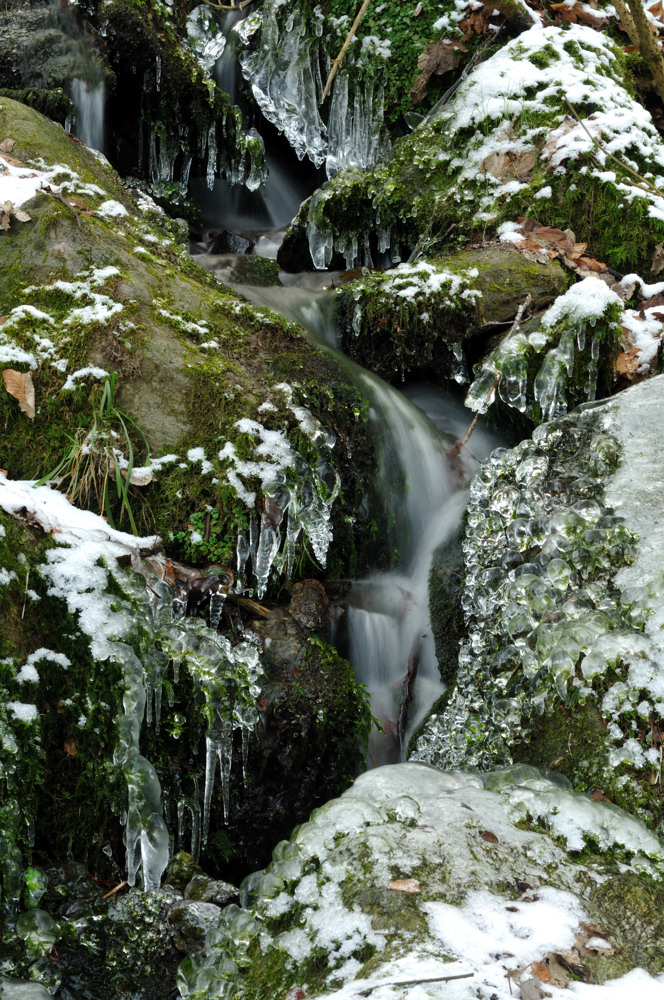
x=208, y=890
x=474, y=162
x=182, y=869
x=560, y=666
x=490, y=889
x=227, y=242
x=430, y=318
x=190, y=920
x=309, y=604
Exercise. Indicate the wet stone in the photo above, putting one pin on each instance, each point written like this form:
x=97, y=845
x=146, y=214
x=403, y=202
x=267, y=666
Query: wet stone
x=227, y=242
x=309, y=604
x=182, y=870
x=208, y=890
x=190, y=921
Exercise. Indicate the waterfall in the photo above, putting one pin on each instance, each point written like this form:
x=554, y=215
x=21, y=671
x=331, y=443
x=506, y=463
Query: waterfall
x=388, y=625
x=89, y=98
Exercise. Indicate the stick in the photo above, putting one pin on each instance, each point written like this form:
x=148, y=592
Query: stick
x=625, y=166
x=344, y=48
x=414, y=982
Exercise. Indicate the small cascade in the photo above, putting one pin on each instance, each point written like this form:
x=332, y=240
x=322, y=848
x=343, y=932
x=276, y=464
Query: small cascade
x=390, y=641
x=226, y=68
x=89, y=99
x=390, y=638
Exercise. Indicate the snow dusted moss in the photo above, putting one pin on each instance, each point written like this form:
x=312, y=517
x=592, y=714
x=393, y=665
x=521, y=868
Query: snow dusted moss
x=416, y=874
x=506, y=136
x=556, y=639
x=568, y=358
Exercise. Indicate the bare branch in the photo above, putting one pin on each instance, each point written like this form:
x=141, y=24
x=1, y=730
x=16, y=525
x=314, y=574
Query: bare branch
x=344, y=48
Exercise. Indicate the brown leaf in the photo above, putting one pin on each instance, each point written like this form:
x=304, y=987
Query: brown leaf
x=657, y=259
x=489, y=836
x=576, y=13
x=522, y=164
x=404, y=885
x=495, y=164
x=598, y=795
x=19, y=385
x=477, y=23
x=7, y=145
x=77, y=203
x=541, y=970
x=21, y=215
x=657, y=11
x=438, y=58
x=70, y=748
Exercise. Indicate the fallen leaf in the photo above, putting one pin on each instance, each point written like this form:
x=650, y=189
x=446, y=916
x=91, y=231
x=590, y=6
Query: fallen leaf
x=489, y=836
x=19, y=385
x=77, y=203
x=7, y=145
x=657, y=257
x=404, y=885
x=522, y=164
x=541, y=970
x=140, y=477
x=438, y=58
x=657, y=11
x=495, y=164
x=626, y=365
x=576, y=13
x=21, y=215
x=477, y=23
x=531, y=990
x=71, y=748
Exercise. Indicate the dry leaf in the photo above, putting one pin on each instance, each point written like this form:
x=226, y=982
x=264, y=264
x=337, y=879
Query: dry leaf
x=70, y=748
x=541, y=970
x=140, y=477
x=495, y=164
x=576, y=13
x=19, y=385
x=405, y=885
x=598, y=795
x=522, y=164
x=7, y=145
x=657, y=258
x=21, y=215
x=489, y=836
x=439, y=58
x=478, y=23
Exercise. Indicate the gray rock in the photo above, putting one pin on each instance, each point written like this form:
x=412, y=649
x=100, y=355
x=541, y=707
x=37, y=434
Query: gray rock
x=209, y=890
x=190, y=921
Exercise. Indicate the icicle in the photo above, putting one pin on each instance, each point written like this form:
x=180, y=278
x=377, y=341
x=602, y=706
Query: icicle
x=158, y=73
x=212, y=156
x=225, y=755
x=242, y=554
x=268, y=546
x=212, y=748
x=245, y=754
x=217, y=599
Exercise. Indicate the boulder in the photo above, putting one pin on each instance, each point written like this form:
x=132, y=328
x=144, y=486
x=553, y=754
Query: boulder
x=415, y=876
x=562, y=659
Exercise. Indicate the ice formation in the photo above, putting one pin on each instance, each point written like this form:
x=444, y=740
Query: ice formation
x=287, y=71
x=296, y=490
x=485, y=896
x=139, y=632
x=546, y=624
x=538, y=369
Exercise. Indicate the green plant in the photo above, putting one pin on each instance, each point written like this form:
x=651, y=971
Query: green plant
x=94, y=459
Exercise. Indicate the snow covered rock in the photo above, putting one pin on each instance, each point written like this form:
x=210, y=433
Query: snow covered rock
x=419, y=883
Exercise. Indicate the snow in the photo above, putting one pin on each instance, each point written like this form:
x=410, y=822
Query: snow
x=83, y=373
x=20, y=184
x=26, y=713
x=112, y=209
x=586, y=300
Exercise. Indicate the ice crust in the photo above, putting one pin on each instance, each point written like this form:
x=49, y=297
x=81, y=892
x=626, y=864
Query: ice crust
x=415, y=821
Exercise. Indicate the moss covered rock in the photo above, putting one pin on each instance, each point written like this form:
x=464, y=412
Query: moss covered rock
x=400, y=879
x=488, y=155
x=229, y=400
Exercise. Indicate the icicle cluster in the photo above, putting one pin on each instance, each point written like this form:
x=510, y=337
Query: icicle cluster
x=569, y=340
x=287, y=70
x=541, y=551
x=298, y=494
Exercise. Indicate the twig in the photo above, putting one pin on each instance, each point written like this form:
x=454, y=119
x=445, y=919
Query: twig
x=25, y=598
x=627, y=21
x=625, y=166
x=414, y=982
x=344, y=48
x=470, y=65
x=225, y=6
x=117, y=888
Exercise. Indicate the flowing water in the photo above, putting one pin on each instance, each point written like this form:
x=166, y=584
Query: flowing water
x=387, y=630
x=89, y=98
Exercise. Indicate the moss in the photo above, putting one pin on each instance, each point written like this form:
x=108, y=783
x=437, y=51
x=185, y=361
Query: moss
x=631, y=906
x=55, y=104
